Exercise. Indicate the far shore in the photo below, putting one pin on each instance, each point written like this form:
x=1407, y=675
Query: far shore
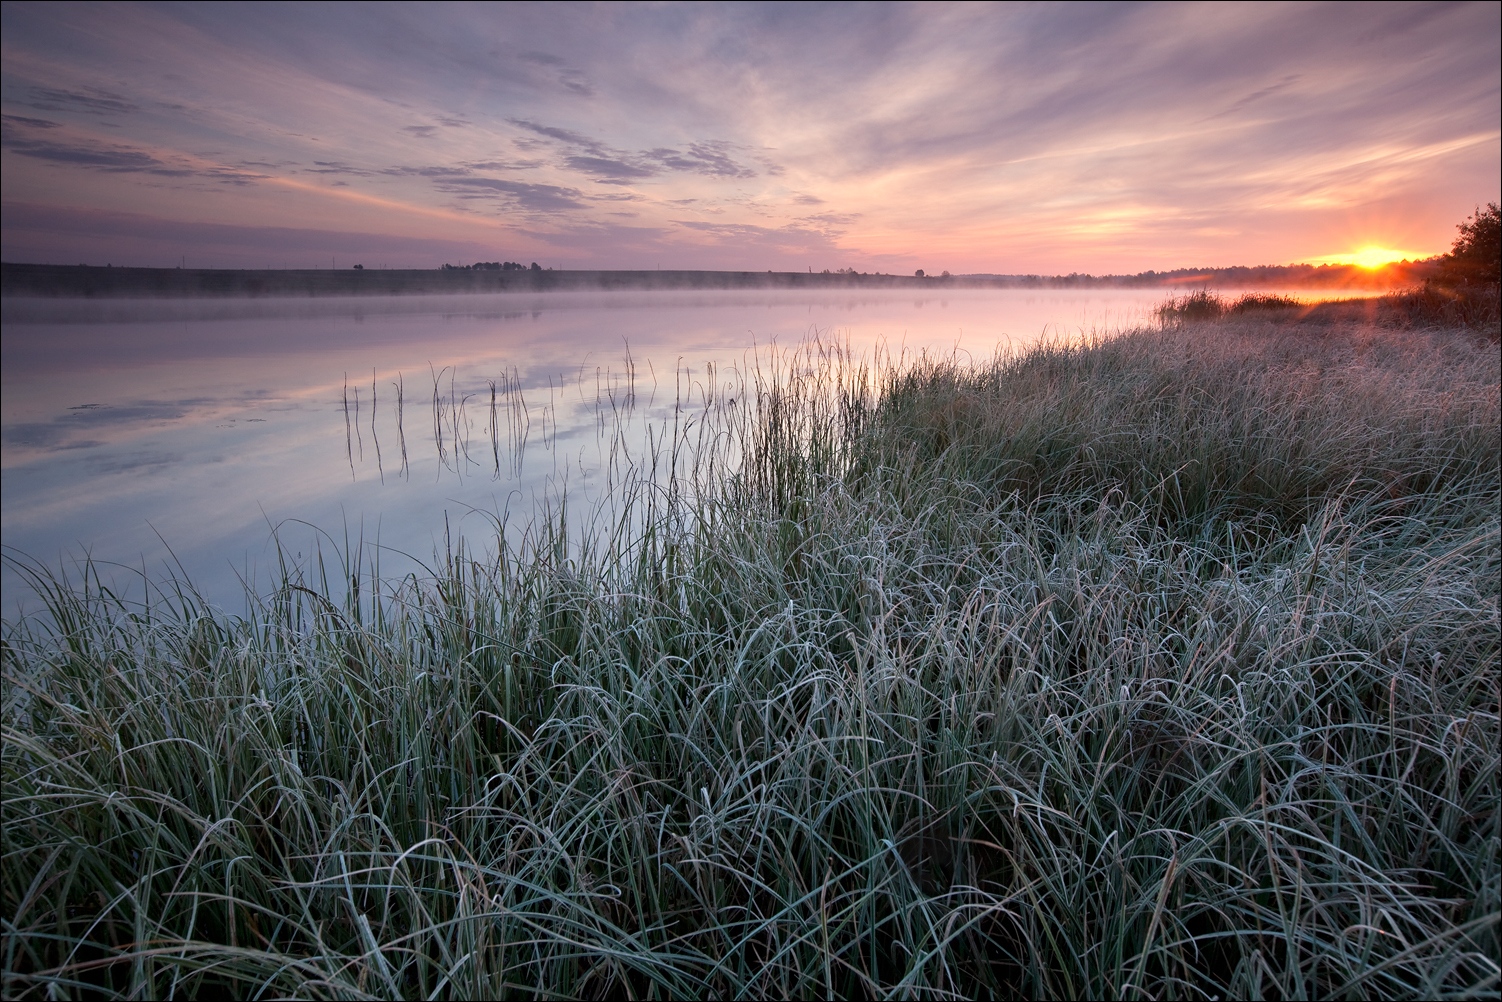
x=89, y=282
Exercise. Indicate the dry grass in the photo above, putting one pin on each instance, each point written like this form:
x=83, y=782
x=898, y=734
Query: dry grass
x=1431, y=307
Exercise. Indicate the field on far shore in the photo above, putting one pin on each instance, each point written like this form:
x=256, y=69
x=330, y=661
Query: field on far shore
x=1165, y=665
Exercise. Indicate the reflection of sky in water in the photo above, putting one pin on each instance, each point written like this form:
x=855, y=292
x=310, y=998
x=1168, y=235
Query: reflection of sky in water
x=133, y=426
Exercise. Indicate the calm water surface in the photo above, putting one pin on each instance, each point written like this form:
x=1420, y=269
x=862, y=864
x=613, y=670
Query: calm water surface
x=144, y=433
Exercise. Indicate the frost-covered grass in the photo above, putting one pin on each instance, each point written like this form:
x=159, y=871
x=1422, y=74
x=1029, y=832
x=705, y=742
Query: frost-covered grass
x=1165, y=666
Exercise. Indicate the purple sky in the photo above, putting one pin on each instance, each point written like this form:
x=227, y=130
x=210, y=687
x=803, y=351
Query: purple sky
x=974, y=138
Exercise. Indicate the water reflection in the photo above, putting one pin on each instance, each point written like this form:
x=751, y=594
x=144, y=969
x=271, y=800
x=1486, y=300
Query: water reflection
x=130, y=427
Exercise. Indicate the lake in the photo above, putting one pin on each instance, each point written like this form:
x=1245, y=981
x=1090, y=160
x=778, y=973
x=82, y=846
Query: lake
x=151, y=435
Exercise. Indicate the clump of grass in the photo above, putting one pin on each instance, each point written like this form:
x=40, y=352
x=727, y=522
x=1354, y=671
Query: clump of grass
x=1163, y=665
x=1469, y=309
x=1204, y=305
x=1437, y=306
x=1252, y=302
x=1192, y=307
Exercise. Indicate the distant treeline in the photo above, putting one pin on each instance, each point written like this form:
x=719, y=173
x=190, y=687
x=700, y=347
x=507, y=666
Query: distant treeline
x=484, y=266
x=47, y=280
x=1288, y=276
x=70, y=281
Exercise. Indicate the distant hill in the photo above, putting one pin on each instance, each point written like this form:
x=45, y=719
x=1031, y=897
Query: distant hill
x=82, y=281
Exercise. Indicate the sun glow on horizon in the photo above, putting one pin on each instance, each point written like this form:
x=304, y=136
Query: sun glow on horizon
x=1373, y=256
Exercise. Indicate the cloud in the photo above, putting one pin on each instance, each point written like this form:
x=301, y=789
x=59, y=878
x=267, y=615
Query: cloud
x=1282, y=85
x=113, y=159
x=30, y=123
x=19, y=135
x=592, y=235
x=337, y=167
x=552, y=132
x=607, y=165
x=1022, y=137
x=608, y=170
x=68, y=235
x=709, y=158
x=531, y=197
x=1405, y=19
x=91, y=101
x=829, y=219
x=573, y=80
x=434, y=171
x=29, y=137
x=500, y=165
x=780, y=238
x=570, y=79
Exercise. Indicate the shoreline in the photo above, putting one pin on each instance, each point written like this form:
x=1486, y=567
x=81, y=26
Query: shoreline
x=47, y=281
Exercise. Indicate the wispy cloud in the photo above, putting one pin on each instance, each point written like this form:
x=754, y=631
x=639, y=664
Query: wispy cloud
x=610, y=165
x=338, y=167
x=36, y=138
x=92, y=101
x=55, y=233
x=520, y=194
x=563, y=135
x=610, y=170
x=1016, y=137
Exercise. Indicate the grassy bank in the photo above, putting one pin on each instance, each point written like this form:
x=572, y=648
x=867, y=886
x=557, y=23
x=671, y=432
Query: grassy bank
x=1163, y=666
x=1428, y=307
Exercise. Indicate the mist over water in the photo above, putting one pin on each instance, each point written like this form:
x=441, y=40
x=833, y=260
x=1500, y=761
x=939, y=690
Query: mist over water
x=150, y=434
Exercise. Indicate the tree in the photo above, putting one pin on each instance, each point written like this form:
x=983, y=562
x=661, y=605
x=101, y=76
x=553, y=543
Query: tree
x=1476, y=257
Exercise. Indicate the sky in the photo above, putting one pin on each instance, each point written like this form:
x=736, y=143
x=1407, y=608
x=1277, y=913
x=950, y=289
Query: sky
x=972, y=138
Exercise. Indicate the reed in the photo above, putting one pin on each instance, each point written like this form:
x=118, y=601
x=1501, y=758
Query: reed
x=1164, y=665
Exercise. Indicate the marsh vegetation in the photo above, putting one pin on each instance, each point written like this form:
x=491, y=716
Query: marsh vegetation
x=1161, y=665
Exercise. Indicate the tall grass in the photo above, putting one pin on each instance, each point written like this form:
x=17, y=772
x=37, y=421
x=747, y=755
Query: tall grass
x=1432, y=306
x=1166, y=665
x=1206, y=305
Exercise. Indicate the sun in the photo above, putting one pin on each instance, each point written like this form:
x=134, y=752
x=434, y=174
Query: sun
x=1376, y=257
x=1371, y=256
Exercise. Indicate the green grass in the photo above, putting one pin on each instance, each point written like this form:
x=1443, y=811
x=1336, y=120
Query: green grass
x=1166, y=665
